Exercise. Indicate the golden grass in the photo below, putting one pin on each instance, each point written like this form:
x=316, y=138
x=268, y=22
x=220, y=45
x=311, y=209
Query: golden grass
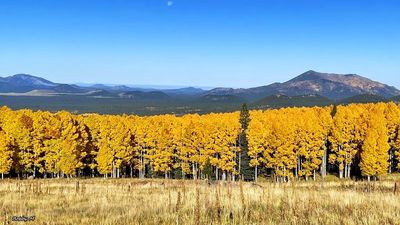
x=129, y=201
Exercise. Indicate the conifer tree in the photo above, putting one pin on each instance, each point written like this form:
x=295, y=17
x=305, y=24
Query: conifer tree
x=245, y=170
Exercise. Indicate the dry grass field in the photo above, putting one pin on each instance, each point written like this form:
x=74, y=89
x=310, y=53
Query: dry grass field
x=129, y=201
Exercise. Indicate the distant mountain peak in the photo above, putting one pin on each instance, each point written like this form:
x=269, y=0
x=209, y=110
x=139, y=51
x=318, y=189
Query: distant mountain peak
x=329, y=85
x=23, y=75
x=27, y=77
x=28, y=80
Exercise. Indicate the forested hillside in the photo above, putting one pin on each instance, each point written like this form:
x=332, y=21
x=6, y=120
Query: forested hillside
x=356, y=140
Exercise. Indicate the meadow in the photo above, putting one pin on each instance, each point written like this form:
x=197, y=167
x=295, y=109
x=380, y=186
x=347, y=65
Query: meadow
x=157, y=201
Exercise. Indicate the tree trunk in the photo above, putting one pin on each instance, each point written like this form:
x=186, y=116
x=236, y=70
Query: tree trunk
x=390, y=161
x=240, y=162
x=314, y=175
x=323, y=165
x=194, y=172
x=131, y=170
x=255, y=173
x=2, y=176
x=340, y=171
x=216, y=173
x=349, y=170
x=369, y=178
x=224, y=176
x=142, y=167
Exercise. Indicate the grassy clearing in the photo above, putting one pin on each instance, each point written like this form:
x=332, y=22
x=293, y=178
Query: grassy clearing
x=128, y=201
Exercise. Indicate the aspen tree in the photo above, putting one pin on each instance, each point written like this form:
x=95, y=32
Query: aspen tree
x=326, y=124
x=20, y=128
x=92, y=121
x=74, y=141
x=257, y=133
x=6, y=153
x=346, y=138
x=392, y=115
x=163, y=152
x=374, y=155
x=6, y=143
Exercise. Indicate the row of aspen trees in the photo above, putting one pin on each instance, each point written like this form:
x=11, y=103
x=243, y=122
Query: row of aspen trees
x=355, y=140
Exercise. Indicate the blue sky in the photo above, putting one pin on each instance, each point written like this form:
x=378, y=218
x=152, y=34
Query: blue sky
x=231, y=43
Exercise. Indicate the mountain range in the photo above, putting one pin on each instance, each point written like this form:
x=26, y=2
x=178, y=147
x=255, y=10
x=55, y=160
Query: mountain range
x=23, y=84
x=329, y=85
x=307, y=89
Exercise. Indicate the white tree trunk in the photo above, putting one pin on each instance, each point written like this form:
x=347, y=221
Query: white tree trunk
x=255, y=174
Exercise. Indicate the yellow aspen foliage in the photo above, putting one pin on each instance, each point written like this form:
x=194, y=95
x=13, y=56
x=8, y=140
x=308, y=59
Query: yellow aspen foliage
x=162, y=154
x=257, y=135
x=229, y=131
x=346, y=138
x=189, y=136
x=122, y=142
x=185, y=136
x=374, y=155
x=6, y=153
x=392, y=115
x=73, y=144
x=105, y=156
x=326, y=125
x=220, y=149
x=92, y=123
x=283, y=142
x=205, y=147
x=40, y=137
x=19, y=126
x=145, y=142
x=279, y=147
x=131, y=155
x=52, y=144
x=310, y=139
x=6, y=143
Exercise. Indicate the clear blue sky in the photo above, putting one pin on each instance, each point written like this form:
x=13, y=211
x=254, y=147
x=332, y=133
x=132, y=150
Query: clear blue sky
x=238, y=43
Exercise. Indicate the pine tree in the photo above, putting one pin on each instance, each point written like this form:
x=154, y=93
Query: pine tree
x=245, y=170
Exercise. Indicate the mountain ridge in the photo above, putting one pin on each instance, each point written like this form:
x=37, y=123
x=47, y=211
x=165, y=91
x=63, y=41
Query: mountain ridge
x=25, y=83
x=329, y=85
